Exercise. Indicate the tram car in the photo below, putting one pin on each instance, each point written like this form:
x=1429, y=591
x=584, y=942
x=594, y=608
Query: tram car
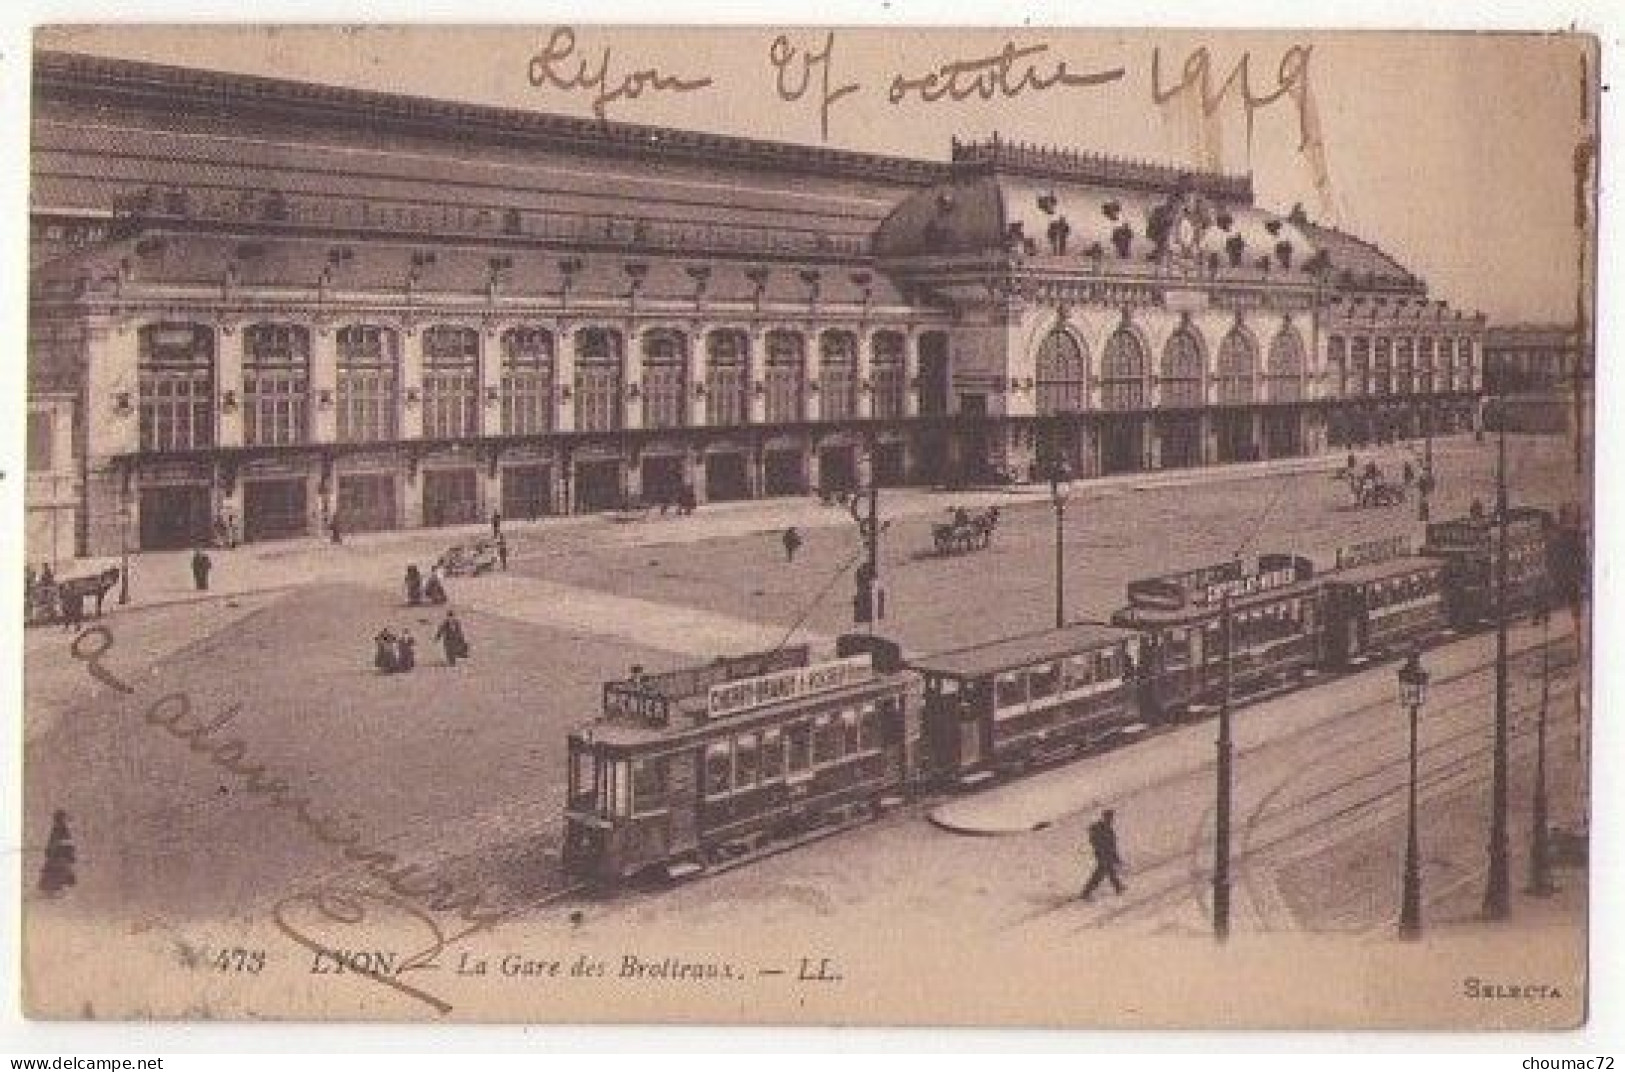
x=1275, y=611
x=1469, y=546
x=709, y=765
x=1382, y=600
x=1025, y=701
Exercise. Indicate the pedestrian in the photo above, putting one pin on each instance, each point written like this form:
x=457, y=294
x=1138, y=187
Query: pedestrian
x=406, y=651
x=792, y=543
x=1408, y=474
x=201, y=564
x=433, y=590
x=502, y=553
x=335, y=528
x=451, y=637
x=386, y=655
x=496, y=524
x=686, y=500
x=234, y=532
x=1103, y=843
x=1476, y=511
x=414, y=585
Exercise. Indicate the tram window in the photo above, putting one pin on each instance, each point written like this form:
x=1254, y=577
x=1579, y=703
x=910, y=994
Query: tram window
x=1107, y=664
x=868, y=729
x=745, y=761
x=772, y=755
x=1044, y=680
x=718, y=768
x=620, y=800
x=585, y=770
x=1010, y=690
x=826, y=740
x=849, y=732
x=1176, y=648
x=1080, y=672
x=799, y=736
x=648, y=784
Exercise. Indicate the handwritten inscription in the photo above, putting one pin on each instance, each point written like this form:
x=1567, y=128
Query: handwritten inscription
x=793, y=74
x=552, y=67
x=1006, y=73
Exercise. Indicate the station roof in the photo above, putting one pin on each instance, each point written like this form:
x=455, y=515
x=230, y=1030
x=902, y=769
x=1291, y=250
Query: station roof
x=1018, y=651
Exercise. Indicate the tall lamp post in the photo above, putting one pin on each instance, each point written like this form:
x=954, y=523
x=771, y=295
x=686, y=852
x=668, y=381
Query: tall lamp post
x=1540, y=865
x=1413, y=690
x=1497, y=889
x=1221, y=808
x=1060, y=489
x=1425, y=485
x=124, y=553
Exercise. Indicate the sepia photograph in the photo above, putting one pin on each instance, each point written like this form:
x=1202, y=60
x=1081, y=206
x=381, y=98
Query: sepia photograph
x=1001, y=527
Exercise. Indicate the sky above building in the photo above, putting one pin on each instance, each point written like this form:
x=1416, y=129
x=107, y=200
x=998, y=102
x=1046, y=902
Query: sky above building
x=1455, y=152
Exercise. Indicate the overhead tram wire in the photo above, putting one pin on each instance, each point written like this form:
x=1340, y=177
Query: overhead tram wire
x=818, y=597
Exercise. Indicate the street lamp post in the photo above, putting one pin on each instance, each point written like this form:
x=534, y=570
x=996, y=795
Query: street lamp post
x=1497, y=890
x=1060, y=489
x=1221, y=808
x=1413, y=687
x=124, y=554
x=1425, y=486
x=1540, y=869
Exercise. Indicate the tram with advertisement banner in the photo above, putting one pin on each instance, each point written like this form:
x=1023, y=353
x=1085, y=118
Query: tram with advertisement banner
x=1469, y=547
x=1275, y=630
x=713, y=764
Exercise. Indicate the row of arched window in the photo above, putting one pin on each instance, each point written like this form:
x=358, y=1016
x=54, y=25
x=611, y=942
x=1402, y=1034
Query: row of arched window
x=1061, y=378
x=177, y=363
x=1383, y=365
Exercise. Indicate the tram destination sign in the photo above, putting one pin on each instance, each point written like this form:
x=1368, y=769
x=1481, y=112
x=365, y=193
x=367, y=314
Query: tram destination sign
x=1246, y=586
x=1373, y=551
x=747, y=693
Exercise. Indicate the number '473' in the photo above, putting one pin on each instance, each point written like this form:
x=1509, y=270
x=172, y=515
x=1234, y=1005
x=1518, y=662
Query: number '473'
x=240, y=960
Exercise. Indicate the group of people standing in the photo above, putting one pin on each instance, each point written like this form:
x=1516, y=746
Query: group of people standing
x=420, y=591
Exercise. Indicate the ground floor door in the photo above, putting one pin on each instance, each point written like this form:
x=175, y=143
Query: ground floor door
x=784, y=473
x=888, y=465
x=275, y=509
x=450, y=496
x=175, y=516
x=1120, y=447
x=527, y=491
x=1283, y=434
x=368, y=502
x=725, y=479
x=663, y=478
x=838, y=468
x=1233, y=436
x=598, y=486
x=1181, y=442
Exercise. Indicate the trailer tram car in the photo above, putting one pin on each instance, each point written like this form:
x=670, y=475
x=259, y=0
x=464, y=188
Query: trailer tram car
x=1275, y=631
x=1008, y=705
x=1382, y=600
x=707, y=765
x=1469, y=546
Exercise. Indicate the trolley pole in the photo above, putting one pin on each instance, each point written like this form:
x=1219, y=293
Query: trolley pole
x=1221, y=810
x=1497, y=892
x=1057, y=495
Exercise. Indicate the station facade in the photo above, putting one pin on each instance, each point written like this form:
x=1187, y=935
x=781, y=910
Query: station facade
x=285, y=305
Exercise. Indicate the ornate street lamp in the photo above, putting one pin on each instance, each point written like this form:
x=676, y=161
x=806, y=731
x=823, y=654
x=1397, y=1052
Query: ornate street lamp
x=1413, y=690
x=124, y=553
x=1540, y=861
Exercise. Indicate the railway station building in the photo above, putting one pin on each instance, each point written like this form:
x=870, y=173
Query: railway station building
x=281, y=302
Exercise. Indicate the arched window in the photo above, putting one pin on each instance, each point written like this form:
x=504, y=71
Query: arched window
x=598, y=380
x=838, y=375
x=176, y=374
x=276, y=384
x=1238, y=367
x=451, y=383
x=1061, y=375
x=888, y=374
x=368, y=383
x=786, y=377
x=727, y=379
x=1360, y=365
x=1122, y=372
x=665, y=379
x=1182, y=370
x=1286, y=366
x=527, y=381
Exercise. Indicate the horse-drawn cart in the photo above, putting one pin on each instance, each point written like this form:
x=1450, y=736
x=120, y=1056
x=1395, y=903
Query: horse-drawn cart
x=68, y=599
x=966, y=532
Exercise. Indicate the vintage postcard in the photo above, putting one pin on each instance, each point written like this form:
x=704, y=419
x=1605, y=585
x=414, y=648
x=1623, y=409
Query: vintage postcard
x=809, y=525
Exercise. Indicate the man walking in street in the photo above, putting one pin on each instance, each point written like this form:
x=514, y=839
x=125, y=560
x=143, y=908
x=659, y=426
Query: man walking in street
x=200, y=569
x=496, y=524
x=1103, y=843
x=450, y=635
x=792, y=544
